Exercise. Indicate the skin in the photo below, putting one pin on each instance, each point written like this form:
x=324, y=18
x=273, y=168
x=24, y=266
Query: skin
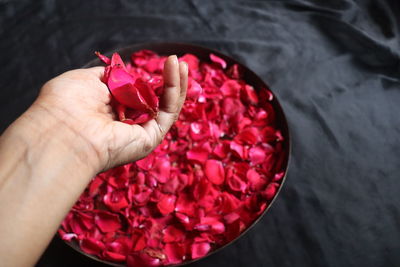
x=68, y=135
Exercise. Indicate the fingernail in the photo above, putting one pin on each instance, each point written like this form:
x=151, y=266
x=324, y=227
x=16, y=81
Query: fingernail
x=185, y=66
x=174, y=59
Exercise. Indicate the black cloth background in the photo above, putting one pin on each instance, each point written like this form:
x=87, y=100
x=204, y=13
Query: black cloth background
x=334, y=64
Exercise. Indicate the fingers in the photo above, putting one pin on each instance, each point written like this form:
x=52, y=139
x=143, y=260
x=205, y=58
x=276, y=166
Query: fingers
x=183, y=73
x=143, y=139
x=175, y=84
x=171, y=75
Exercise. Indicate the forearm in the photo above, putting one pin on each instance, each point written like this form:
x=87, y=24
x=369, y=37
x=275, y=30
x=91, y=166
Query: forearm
x=41, y=176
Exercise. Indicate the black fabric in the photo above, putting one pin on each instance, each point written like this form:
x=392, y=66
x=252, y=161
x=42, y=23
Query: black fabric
x=334, y=65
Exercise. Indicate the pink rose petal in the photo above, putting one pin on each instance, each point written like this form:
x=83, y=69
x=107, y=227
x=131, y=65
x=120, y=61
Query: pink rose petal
x=218, y=60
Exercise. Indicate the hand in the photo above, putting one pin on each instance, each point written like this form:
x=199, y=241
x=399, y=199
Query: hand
x=78, y=105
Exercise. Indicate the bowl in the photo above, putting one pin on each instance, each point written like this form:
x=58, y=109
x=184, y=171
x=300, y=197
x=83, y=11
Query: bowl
x=249, y=76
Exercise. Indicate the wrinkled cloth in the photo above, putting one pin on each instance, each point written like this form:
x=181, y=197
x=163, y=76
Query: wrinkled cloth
x=333, y=64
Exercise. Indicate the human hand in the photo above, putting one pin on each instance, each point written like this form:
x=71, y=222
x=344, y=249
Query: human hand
x=76, y=105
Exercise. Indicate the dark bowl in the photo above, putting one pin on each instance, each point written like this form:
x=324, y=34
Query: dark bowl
x=249, y=76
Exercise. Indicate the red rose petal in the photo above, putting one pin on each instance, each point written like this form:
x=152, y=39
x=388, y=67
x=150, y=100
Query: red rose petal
x=166, y=204
x=215, y=172
x=184, y=205
x=197, y=154
x=278, y=176
x=139, y=241
x=270, y=192
x=194, y=90
x=235, y=72
x=142, y=259
x=238, y=150
x=236, y=184
x=68, y=236
x=249, y=135
x=112, y=256
x=256, y=183
x=231, y=88
x=250, y=95
x=200, y=249
x=115, y=200
x=80, y=223
x=107, y=221
x=172, y=234
x=91, y=246
x=161, y=169
x=199, y=131
x=175, y=252
x=146, y=163
x=191, y=60
x=103, y=58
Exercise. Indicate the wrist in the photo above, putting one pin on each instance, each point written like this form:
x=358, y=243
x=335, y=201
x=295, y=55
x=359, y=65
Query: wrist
x=41, y=130
x=42, y=175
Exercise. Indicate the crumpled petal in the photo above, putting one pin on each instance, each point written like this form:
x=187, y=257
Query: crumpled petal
x=130, y=92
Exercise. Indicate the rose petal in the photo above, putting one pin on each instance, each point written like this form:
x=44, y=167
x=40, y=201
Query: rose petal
x=113, y=256
x=161, y=169
x=271, y=190
x=147, y=162
x=103, y=58
x=197, y=154
x=200, y=249
x=166, y=204
x=231, y=88
x=218, y=60
x=257, y=155
x=256, y=183
x=236, y=184
x=142, y=259
x=91, y=246
x=215, y=172
x=115, y=200
x=175, y=252
x=107, y=221
x=194, y=90
x=172, y=234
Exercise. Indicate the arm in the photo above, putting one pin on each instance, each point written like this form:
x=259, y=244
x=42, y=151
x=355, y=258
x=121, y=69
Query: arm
x=49, y=155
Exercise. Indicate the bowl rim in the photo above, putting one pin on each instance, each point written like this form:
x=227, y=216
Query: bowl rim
x=276, y=103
